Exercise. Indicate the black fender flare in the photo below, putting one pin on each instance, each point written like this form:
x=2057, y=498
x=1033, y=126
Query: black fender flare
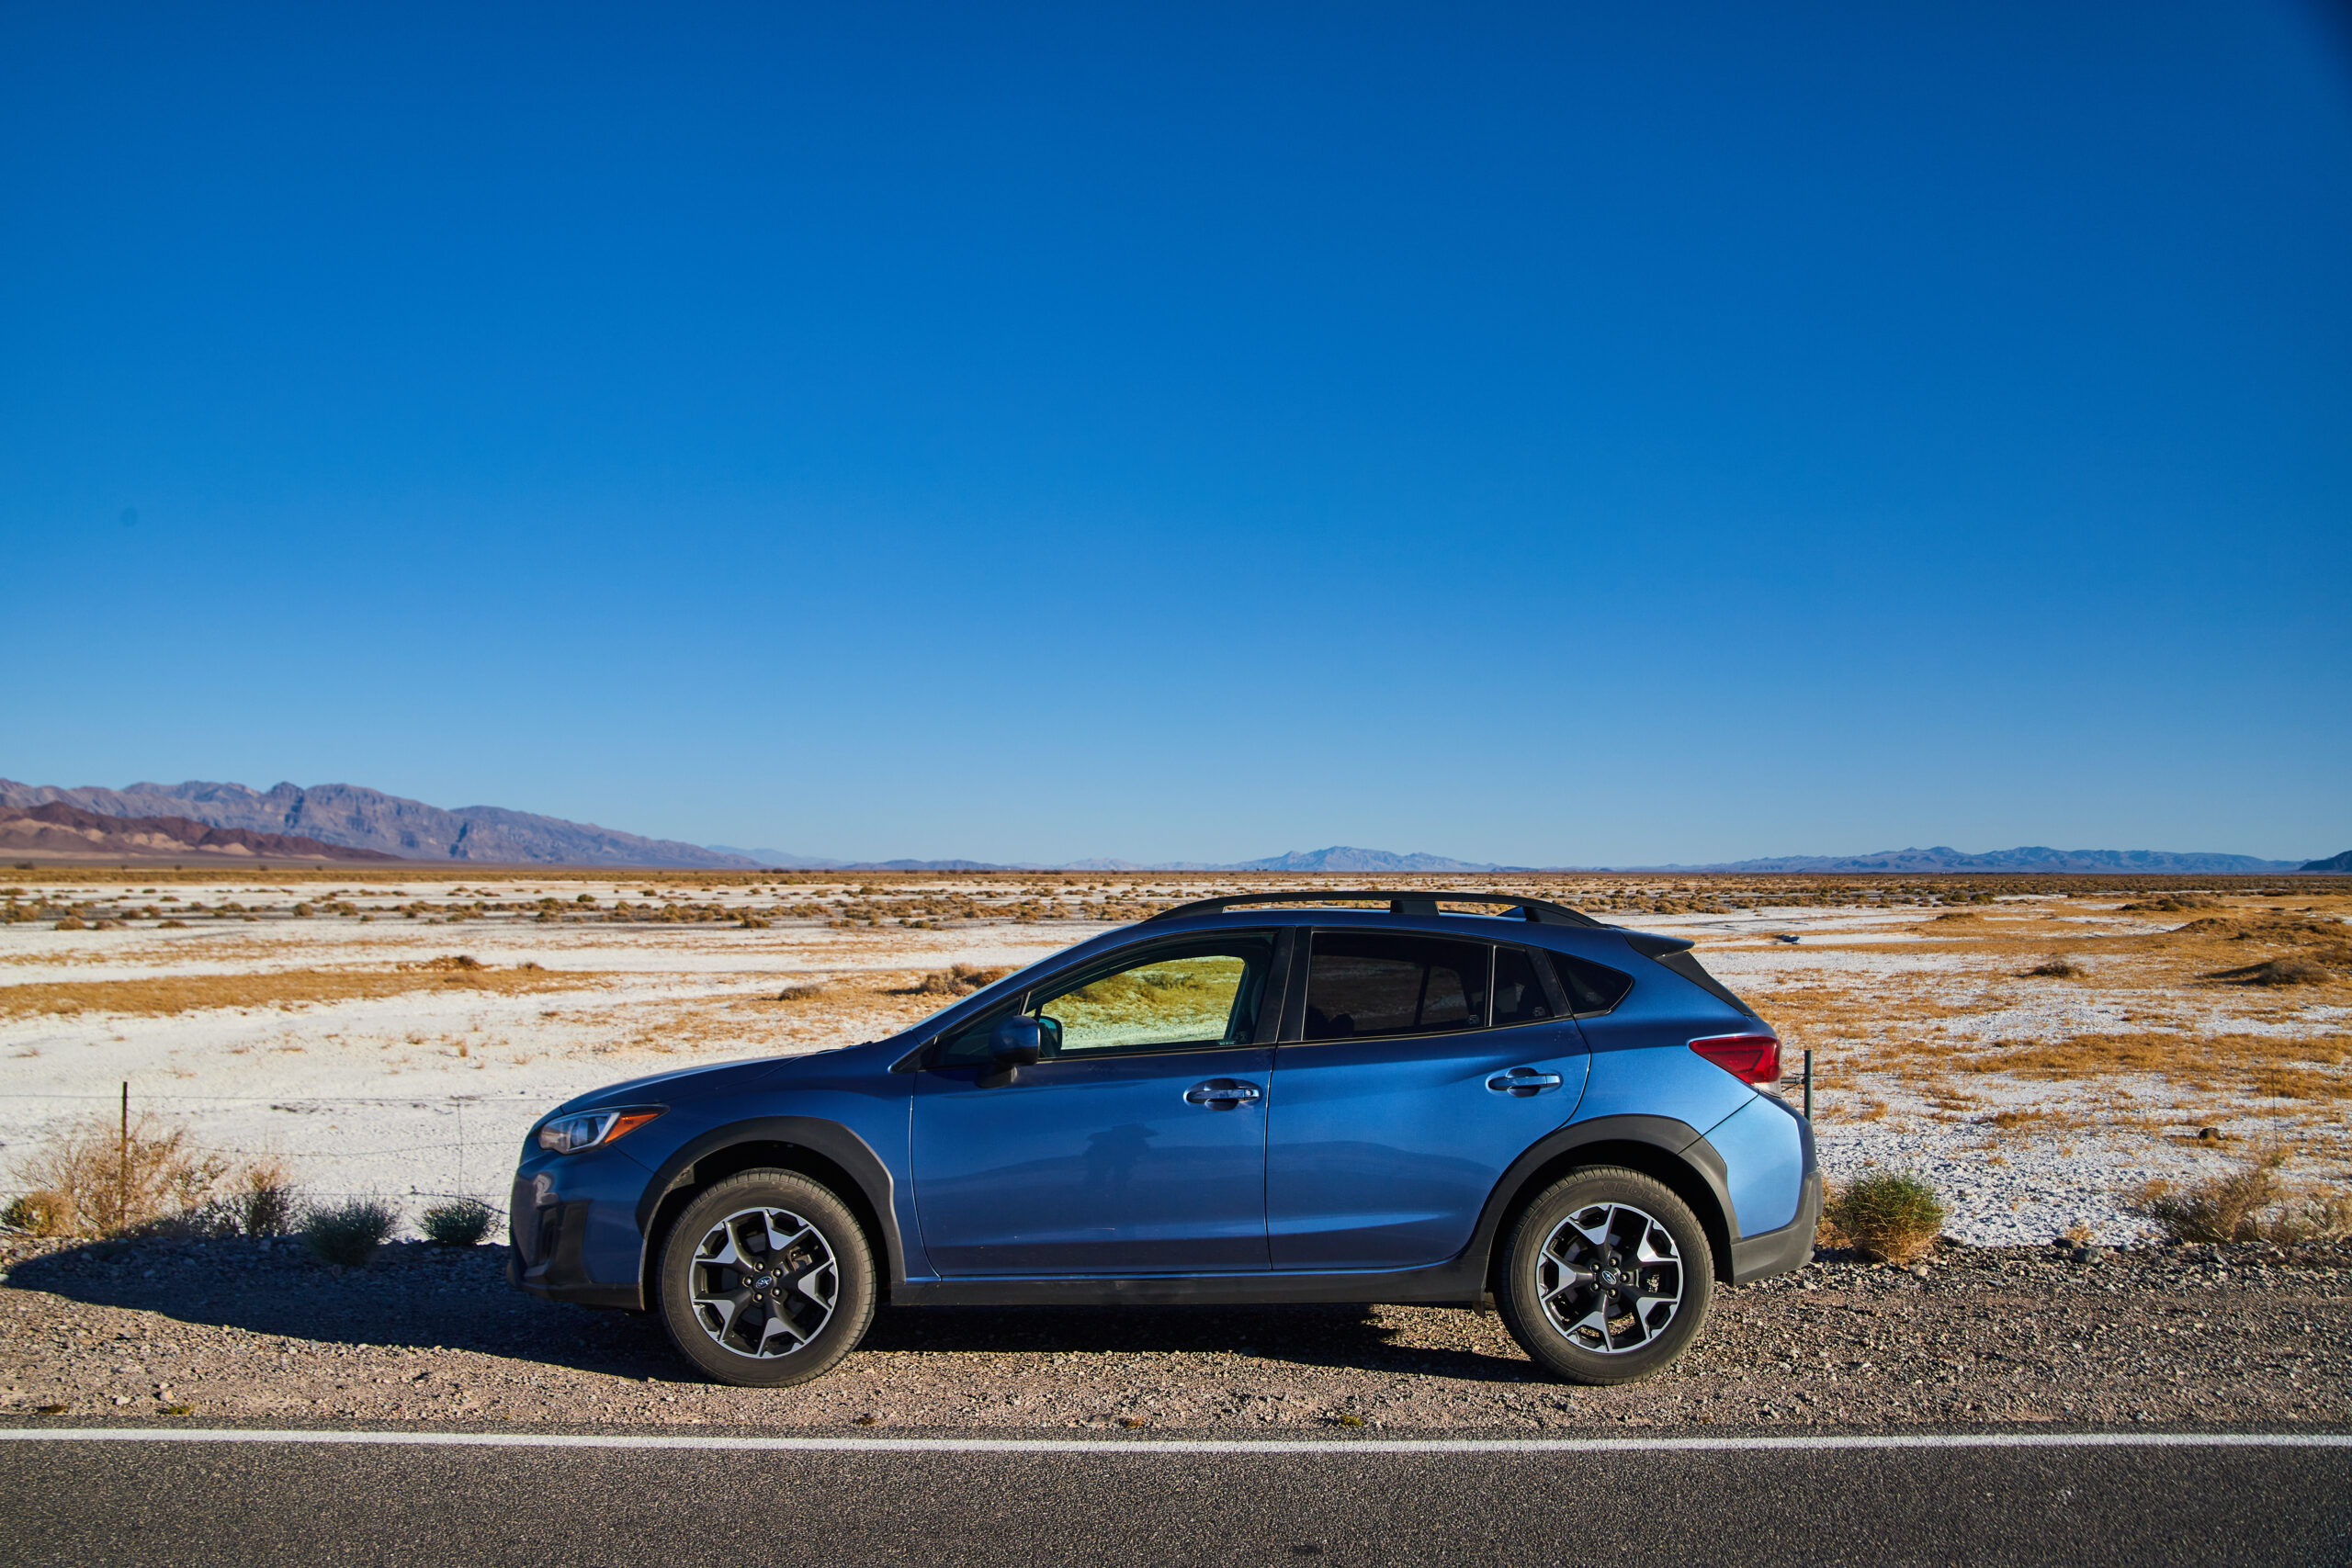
x=1677, y=1140
x=834, y=1142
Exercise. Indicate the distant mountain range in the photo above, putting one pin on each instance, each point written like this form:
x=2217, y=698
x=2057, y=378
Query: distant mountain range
x=338, y=821
x=355, y=817
x=1339, y=858
x=2030, y=859
x=58, y=831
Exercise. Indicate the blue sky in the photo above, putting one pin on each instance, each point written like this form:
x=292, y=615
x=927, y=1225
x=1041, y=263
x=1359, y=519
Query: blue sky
x=1557, y=435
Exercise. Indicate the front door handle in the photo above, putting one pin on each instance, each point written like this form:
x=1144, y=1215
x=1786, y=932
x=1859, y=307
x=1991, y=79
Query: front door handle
x=1223, y=1094
x=1521, y=1082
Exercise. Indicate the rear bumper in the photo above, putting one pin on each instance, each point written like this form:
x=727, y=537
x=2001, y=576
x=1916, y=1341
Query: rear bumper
x=1791, y=1247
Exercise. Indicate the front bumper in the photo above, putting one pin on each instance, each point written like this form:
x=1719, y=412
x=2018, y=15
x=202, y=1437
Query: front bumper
x=571, y=1230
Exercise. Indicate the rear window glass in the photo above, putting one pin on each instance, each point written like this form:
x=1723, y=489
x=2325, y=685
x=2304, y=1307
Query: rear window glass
x=1370, y=983
x=1518, y=991
x=1590, y=988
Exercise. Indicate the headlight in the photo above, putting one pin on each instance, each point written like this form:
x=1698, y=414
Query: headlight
x=586, y=1130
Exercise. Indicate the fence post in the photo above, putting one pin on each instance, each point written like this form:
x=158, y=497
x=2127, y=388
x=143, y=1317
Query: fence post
x=1808, y=1083
x=122, y=1162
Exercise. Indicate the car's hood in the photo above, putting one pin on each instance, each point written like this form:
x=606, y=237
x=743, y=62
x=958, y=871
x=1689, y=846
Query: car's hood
x=716, y=1078
x=704, y=1080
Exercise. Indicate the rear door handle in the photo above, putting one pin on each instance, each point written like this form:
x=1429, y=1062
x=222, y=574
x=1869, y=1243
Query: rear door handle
x=1223, y=1094
x=1523, y=1081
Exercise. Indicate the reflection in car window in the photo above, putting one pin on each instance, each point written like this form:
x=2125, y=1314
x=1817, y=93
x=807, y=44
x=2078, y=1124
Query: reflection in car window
x=1518, y=994
x=1203, y=992
x=1371, y=983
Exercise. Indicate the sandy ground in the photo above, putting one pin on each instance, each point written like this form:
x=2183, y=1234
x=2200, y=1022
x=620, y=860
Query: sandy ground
x=337, y=1038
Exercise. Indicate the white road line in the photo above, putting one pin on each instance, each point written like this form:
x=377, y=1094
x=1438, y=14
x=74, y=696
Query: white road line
x=1333, y=1446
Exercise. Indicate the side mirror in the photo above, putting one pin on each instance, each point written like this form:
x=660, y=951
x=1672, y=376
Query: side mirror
x=1017, y=1043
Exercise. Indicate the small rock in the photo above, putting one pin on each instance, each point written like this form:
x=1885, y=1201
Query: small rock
x=2209, y=1134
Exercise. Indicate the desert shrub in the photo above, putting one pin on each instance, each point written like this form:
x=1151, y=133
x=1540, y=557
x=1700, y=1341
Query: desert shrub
x=960, y=981
x=40, y=1214
x=2252, y=1203
x=1890, y=1217
x=808, y=992
x=264, y=1201
x=347, y=1233
x=116, y=1180
x=2287, y=971
x=458, y=1222
x=2227, y=1207
x=2057, y=967
x=70, y=924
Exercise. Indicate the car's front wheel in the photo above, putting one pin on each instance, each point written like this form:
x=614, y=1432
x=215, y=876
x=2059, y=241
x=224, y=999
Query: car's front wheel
x=1608, y=1277
x=766, y=1279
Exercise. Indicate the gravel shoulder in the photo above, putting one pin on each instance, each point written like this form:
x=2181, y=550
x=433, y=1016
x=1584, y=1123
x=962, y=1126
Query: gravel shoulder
x=246, y=1332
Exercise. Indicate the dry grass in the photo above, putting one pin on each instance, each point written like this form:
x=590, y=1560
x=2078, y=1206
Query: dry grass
x=2252, y=1203
x=2286, y=1066
x=961, y=980
x=162, y=994
x=107, y=1180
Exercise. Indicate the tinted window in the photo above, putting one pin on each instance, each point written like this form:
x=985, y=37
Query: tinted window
x=1203, y=992
x=1590, y=988
x=1368, y=983
x=1518, y=991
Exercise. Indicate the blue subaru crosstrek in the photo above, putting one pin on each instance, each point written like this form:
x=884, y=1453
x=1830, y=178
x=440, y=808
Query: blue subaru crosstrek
x=1263, y=1099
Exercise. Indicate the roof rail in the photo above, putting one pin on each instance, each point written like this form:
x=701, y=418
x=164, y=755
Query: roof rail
x=1419, y=901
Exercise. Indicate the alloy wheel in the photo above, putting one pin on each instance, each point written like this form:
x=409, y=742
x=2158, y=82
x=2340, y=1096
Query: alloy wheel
x=763, y=1282
x=1610, y=1278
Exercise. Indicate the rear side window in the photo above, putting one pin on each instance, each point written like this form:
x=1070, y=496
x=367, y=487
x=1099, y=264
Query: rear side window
x=1590, y=988
x=1518, y=991
x=1372, y=983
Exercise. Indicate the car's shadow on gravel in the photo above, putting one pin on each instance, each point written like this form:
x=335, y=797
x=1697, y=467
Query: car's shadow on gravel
x=416, y=1295
x=1356, y=1338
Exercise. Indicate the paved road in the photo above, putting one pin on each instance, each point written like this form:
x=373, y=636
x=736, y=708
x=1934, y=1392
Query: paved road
x=262, y=1504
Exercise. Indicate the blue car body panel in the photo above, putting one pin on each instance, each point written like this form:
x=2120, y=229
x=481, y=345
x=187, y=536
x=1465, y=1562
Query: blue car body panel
x=1092, y=1166
x=1381, y=1152
x=1762, y=1145
x=1372, y=1170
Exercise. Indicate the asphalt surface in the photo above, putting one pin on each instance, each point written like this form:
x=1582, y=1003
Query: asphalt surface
x=257, y=1503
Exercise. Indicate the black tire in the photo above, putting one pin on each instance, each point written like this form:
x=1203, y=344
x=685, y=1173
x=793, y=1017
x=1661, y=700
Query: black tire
x=718, y=1304
x=1597, y=1312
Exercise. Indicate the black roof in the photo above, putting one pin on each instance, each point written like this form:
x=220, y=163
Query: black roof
x=1419, y=901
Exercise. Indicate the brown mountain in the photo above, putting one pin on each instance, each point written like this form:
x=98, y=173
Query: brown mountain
x=58, y=831
x=361, y=818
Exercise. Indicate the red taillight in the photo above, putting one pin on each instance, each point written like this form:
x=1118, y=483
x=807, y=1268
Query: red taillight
x=1755, y=1058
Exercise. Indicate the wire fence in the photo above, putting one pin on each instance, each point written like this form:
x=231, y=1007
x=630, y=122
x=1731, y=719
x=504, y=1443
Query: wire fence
x=337, y=1147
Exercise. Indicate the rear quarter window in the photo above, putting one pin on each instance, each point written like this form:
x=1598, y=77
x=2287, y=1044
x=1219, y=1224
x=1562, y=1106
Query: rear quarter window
x=1590, y=988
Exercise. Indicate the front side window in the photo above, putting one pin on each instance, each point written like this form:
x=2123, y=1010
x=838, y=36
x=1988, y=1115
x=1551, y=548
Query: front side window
x=1372, y=983
x=1198, y=993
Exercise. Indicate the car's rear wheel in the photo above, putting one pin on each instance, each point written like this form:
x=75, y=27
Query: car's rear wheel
x=1608, y=1277
x=766, y=1279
